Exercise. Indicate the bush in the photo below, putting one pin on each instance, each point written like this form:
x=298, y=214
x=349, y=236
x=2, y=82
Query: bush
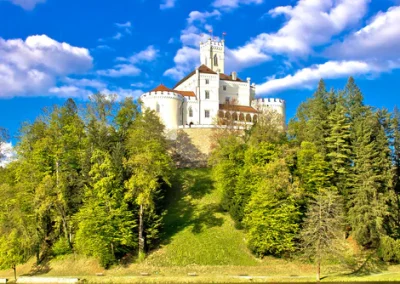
x=61, y=247
x=389, y=249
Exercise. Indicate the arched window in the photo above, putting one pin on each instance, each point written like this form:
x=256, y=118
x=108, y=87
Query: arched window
x=158, y=107
x=215, y=60
x=190, y=112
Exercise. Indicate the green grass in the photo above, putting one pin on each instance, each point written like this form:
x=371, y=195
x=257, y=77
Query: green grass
x=197, y=231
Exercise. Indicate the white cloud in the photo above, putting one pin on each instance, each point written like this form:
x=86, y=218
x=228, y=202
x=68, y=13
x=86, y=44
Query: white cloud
x=32, y=66
x=243, y=57
x=117, y=36
x=149, y=54
x=96, y=84
x=70, y=91
x=27, y=4
x=188, y=57
x=307, y=78
x=196, y=16
x=185, y=59
x=167, y=4
x=380, y=39
x=124, y=25
x=8, y=154
x=120, y=70
x=120, y=93
x=129, y=68
x=102, y=47
x=310, y=23
x=232, y=4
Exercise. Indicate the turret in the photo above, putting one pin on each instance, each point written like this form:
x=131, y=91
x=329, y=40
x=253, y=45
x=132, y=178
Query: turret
x=212, y=54
x=270, y=104
x=167, y=103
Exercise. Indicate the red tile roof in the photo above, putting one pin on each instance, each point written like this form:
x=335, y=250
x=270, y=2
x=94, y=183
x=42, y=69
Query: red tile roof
x=204, y=69
x=163, y=88
x=237, y=108
x=186, y=93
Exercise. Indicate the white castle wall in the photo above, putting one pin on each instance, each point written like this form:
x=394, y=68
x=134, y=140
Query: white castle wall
x=170, y=107
x=268, y=104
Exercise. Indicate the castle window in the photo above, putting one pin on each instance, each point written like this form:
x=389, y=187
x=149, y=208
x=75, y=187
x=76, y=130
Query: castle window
x=190, y=112
x=227, y=100
x=215, y=60
x=207, y=81
x=157, y=108
x=207, y=95
x=224, y=88
x=206, y=113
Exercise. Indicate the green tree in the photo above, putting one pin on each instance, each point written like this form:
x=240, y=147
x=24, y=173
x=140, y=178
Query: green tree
x=271, y=216
x=368, y=201
x=311, y=120
x=338, y=148
x=322, y=233
x=149, y=166
x=105, y=222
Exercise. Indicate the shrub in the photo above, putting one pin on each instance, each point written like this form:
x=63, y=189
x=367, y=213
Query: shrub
x=389, y=249
x=61, y=247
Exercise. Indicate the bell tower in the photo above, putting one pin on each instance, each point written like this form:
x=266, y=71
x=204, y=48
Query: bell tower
x=212, y=54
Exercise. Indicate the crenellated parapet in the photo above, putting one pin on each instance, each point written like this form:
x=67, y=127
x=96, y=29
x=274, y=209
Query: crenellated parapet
x=270, y=104
x=161, y=95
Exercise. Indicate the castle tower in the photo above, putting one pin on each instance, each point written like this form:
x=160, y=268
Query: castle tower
x=166, y=103
x=212, y=54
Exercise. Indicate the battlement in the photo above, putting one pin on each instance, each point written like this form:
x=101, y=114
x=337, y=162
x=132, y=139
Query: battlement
x=213, y=43
x=162, y=95
x=268, y=101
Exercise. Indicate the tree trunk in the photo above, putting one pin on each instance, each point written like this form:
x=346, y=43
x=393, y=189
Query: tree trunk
x=14, y=267
x=318, y=270
x=141, y=239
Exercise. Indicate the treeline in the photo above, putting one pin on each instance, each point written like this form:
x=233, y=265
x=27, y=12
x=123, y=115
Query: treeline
x=332, y=174
x=88, y=181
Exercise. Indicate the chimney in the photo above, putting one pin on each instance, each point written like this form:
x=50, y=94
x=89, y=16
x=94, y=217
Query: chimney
x=234, y=76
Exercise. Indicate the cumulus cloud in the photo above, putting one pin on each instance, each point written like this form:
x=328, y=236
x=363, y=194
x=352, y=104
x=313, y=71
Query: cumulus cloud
x=309, y=24
x=27, y=4
x=243, y=57
x=202, y=16
x=120, y=70
x=7, y=154
x=129, y=66
x=307, y=78
x=185, y=59
x=32, y=66
x=167, y=4
x=188, y=57
x=232, y=4
x=380, y=39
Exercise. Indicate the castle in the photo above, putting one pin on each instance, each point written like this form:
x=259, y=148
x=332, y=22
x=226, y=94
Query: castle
x=207, y=93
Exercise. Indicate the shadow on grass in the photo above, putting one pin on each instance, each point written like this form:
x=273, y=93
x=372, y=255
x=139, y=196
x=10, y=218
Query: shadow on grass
x=185, y=208
x=42, y=268
x=371, y=265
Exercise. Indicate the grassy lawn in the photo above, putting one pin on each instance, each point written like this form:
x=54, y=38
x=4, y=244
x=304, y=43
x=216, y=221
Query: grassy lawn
x=201, y=239
x=197, y=232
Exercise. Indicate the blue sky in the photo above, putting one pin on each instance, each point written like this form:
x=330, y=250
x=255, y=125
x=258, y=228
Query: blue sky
x=54, y=49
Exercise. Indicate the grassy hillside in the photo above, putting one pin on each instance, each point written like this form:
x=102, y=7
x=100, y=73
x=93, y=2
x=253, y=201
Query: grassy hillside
x=197, y=232
x=199, y=238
